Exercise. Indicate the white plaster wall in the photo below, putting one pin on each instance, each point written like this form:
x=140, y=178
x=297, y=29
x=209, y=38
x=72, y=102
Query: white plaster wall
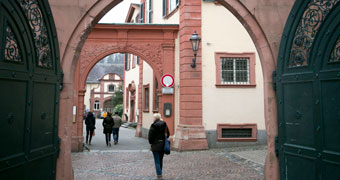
x=131, y=75
x=158, y=14
x=97, y=96
x=107, y=95
x=88, y=95
x=97, y=89
x=222, y=32
x=148, y=79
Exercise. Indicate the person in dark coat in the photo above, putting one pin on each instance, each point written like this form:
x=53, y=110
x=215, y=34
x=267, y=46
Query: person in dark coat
x=90, y=122
x=108, y=125
x=156, y=137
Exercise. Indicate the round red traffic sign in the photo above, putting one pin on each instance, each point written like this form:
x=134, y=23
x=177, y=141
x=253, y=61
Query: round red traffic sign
x=167, y=80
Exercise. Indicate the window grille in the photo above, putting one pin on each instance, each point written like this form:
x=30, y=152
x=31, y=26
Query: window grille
x=236, y=132
x=235, y=70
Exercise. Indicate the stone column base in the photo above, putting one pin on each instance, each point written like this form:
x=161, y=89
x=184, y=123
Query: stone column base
x=77, y=143
x=139, y=130
x=190, y=137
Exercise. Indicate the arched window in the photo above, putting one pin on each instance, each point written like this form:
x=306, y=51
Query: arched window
x=96, y=105
x=111, y=88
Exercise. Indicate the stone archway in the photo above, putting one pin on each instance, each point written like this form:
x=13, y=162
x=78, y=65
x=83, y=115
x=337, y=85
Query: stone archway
x=74, y=32
x=152, y=43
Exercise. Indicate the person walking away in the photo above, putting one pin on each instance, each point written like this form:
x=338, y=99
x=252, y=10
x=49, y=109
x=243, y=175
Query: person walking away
x=108, y=125
x=156, y=137
x=115, y=131
x=90, y=122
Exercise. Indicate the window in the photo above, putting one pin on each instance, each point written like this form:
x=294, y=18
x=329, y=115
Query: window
x=127, y=98
x=237, y=132
x=173, y=5
x=155, y=96
x=169, y=6
x=146, y=98
x=142, y=11
x=111, y=88
x=126, y=61
x=96, y=105
x=150, y=12
x=138, y=60
x=164, y=8
x=235, y=69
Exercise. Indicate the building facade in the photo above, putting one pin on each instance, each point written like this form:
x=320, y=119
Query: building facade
x=232, y=81
x=98, y=96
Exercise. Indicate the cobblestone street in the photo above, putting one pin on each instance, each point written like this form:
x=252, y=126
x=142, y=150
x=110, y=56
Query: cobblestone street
x=118, y=163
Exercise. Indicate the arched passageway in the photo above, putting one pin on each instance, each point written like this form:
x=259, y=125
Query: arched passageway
x=154, y=44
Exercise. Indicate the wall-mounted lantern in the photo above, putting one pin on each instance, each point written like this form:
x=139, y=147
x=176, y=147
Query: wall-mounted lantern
x=195, y=43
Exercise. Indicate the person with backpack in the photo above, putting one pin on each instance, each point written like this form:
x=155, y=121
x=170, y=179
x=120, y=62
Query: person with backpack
x=108, y=125
x=157, y=133
x=90, y=122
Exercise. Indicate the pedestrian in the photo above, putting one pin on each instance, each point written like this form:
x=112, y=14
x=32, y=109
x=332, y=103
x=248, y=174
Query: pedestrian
x=90, y=122
x=115, y=131
x=156, y=137
x=108, y=125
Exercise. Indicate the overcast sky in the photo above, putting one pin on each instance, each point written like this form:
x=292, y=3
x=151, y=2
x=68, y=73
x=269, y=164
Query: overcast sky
x=118, y=13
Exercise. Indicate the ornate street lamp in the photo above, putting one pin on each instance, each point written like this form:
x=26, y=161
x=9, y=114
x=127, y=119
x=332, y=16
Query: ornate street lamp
x=195, y=43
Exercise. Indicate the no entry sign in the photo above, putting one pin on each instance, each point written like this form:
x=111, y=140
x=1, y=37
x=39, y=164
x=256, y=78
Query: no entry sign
x=167, y=80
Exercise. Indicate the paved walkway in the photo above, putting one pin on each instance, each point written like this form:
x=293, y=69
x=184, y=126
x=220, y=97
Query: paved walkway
x=131, y=159
x=127, y=140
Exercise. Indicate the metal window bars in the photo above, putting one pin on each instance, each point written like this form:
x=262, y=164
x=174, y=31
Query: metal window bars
x=235, y=70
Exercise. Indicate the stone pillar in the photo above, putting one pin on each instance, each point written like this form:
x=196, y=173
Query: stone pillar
x=140, y=100
x=190, y=133
x=78, y=139
x=168, y=68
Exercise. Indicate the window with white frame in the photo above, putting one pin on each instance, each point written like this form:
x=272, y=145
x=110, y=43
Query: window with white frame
x=96, y=105
x=235, y=70
x=111, y=88
x=173, y=5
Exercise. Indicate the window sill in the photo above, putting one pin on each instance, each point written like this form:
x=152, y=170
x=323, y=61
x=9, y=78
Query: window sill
x=235, y=85
x=155, y=111
x=146, y=110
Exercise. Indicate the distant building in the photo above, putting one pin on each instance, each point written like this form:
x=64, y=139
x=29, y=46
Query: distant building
x=100, y=94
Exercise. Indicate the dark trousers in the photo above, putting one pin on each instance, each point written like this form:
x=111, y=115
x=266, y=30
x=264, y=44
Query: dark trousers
x=108, y=138
x=89, y=132
x=115, y=133
x=158, y=157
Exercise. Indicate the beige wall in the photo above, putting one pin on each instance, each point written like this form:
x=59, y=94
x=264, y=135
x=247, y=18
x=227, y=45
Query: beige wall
x=148, y=79
x=222, y=32
x=158, y=14
x=131, y=75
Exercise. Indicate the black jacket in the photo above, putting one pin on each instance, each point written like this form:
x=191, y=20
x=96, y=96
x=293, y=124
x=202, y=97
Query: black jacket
x=108, y=125
x=156, y=136
x=90, y=122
